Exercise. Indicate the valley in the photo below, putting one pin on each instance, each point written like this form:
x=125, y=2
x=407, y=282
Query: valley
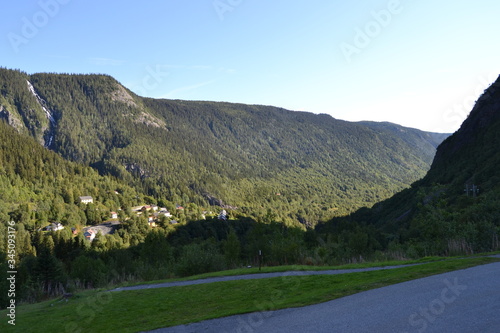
x=134, y=188
x=249, y=166
x=303, y=167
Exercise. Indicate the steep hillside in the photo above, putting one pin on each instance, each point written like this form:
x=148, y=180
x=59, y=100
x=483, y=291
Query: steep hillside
x=37, y=186
x=472, y=154
x=19, y=106
x=267, y=161
x=454, y=208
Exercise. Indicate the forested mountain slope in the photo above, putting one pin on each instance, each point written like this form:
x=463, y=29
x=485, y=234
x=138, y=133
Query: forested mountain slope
x=267, y=161
x=454, y=209
x=37, y=187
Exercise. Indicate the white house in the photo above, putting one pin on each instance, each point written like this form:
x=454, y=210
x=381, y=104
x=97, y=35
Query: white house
x=86, y=199
x=57, y=226
x=164, y=211
x=223, y=215
x=54, y=227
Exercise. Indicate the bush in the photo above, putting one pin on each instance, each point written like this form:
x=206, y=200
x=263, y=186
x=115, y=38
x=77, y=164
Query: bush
x=200, y=258
x=90, y=272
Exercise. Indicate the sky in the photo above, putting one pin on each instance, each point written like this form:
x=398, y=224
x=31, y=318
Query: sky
x=419, y=64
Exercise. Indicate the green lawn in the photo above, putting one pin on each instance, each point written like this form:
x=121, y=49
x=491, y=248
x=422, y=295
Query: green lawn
x=277, y=269
x=133, y=311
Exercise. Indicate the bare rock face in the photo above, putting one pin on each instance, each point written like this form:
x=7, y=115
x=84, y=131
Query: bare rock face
x=122, y=95
x=137, y=170
x=213, y=201
x=11, y=119
x=149, y=120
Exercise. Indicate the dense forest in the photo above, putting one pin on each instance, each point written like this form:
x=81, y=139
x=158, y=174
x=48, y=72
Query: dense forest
x=51, y=262
x=38, y=187
x=305, y=167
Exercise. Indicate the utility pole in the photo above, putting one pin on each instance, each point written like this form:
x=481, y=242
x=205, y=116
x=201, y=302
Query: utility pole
x=471, y=188
x=260, y=259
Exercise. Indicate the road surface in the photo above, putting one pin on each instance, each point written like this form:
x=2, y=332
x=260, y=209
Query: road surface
x=461, y=301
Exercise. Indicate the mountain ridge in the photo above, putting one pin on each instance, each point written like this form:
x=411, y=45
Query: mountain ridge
x=184, y=150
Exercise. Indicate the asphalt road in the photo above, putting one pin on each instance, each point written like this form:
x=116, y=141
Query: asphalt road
x=460, y=301
x=254, y=276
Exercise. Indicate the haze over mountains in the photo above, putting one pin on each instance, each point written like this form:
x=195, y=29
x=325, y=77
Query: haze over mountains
x=296, y=166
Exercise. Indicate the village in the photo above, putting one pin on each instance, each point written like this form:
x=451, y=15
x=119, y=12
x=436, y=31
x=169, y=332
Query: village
x=154, y=214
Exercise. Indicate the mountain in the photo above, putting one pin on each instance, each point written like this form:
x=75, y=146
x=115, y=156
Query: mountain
x=454, y=208
x=266, y=161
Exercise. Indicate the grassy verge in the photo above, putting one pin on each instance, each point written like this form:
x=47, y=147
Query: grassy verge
x=133, y=311
x=278, y=269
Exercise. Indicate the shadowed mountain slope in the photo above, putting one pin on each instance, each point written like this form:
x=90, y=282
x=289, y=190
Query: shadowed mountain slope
x=454, y=208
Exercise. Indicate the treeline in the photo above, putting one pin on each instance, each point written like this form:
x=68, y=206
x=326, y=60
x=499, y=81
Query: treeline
x=53, y=263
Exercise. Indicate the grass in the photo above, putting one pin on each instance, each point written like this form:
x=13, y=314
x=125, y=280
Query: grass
x=133, y=311
x=278, y=269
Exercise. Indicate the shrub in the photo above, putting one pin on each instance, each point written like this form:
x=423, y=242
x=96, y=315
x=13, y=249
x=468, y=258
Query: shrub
x=200, y=258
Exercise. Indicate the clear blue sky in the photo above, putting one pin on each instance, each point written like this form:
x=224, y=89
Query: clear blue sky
x=417, y=63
